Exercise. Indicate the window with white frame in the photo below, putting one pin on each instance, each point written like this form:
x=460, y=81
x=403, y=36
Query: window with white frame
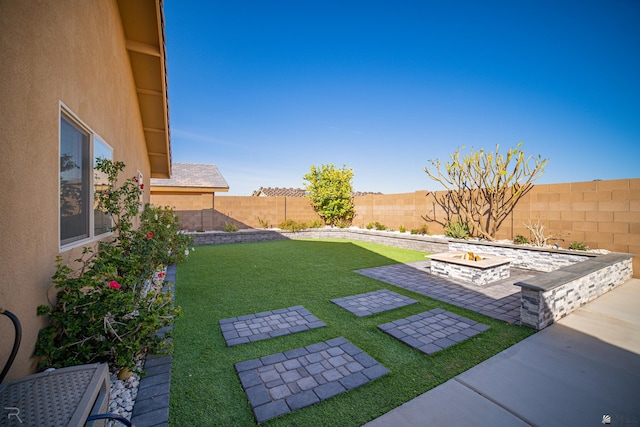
x=80, y=220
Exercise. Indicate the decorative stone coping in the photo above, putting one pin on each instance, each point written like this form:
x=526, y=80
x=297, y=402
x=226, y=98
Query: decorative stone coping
x=570, y=273
x=550, y=297
x=455, y=257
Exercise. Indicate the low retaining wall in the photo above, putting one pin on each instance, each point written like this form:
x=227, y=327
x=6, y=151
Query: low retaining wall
x=527, y=257
x=399, y=240
x=549, y=297
x=572, y=279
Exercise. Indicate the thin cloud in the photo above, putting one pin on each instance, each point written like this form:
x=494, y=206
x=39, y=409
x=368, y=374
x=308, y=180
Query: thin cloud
x=196, y=137
x=357, y=132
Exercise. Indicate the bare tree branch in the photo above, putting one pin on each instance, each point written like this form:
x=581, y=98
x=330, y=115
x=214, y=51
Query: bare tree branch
x=484, y=187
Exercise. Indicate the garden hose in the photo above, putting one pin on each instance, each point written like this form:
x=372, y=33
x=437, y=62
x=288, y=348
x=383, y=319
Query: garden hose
x=16, y=341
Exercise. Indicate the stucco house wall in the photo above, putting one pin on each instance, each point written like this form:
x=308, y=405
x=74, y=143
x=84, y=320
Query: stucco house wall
x=69, y=53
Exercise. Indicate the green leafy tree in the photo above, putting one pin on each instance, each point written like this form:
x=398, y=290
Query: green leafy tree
x=484, y=186
x=330, y=192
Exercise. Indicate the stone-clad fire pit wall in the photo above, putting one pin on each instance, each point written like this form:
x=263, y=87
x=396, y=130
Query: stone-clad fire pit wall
x=481, y=270
x=573, y=277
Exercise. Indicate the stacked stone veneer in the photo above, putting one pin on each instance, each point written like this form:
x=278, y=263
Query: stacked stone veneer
x=400, y=240
x=527, y=257
x=478, y=276
x=550, y=297
x=572, y=279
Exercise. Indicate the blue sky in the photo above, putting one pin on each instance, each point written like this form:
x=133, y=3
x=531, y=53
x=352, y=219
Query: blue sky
x=265, y=89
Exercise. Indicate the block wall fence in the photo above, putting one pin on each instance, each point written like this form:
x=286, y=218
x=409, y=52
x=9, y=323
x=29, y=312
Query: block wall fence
x=600, y=214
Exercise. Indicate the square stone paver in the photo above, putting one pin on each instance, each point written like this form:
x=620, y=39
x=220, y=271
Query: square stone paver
x=268, y=324
x=373, y=302
x=433, y=330
x=284, y=382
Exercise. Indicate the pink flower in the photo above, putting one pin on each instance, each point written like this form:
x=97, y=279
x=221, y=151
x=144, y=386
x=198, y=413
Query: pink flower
x=161, y=274
x=149, y=235
x=114, y=285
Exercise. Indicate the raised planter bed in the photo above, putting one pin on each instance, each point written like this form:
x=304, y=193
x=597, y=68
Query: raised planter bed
x=572, y=280
x=399, y=240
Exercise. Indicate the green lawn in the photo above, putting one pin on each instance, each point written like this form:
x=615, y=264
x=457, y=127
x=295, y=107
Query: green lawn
x=219, y=282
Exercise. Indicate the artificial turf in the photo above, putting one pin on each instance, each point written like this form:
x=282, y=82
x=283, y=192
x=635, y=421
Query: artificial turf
x=219, y=282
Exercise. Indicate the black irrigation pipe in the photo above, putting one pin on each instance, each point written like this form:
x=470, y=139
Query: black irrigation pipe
x=16, y=341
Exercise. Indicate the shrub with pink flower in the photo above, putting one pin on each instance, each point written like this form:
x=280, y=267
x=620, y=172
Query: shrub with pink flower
x=89, y=323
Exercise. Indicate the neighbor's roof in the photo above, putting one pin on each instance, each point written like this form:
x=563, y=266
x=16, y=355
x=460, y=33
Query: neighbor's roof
x=287, y=192
x=191, y=176
x=296, y=192
x=365, y=193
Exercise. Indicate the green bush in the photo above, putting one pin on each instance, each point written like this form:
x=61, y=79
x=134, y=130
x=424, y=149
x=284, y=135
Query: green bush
x=457, y=230
x=229, y=227
x=423, y=230
x=377, y=226
x=520, y=240
x=110, y=309
x=292, y=225
x=263, y=223
x=342, y=223
x=316, y=223
x=402, y=229
x=578, y=246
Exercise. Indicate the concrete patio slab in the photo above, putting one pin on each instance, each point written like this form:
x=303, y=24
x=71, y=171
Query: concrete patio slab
x=441, y=407
x=573, y=373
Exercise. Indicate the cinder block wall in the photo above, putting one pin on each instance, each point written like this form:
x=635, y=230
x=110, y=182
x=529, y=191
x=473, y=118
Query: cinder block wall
x=194, y=209
x=248, y=212
x=600, y=214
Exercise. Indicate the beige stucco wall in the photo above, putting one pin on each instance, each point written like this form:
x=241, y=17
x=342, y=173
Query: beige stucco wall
x=70, y=51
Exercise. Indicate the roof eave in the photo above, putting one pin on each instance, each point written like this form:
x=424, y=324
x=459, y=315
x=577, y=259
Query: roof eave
x=143, y=24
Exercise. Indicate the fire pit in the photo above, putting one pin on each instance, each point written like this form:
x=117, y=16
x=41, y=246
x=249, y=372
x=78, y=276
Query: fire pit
x=479, y=269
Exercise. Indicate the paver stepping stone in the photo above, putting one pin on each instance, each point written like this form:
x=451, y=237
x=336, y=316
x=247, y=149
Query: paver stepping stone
x=373, y=302
x=433, y=330
x=268, y=324
x=283, y=382
x=500, y=300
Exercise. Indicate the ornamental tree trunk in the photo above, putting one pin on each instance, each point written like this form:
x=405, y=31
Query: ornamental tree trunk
x=483, y=187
